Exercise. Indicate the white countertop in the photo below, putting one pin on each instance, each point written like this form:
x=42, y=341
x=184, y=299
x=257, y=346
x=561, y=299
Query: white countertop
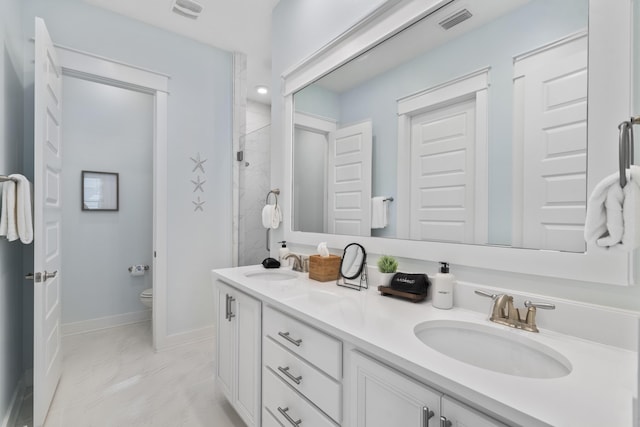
x=599, y=391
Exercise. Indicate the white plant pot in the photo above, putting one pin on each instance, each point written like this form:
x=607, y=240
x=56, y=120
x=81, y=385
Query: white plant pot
x=385, y=278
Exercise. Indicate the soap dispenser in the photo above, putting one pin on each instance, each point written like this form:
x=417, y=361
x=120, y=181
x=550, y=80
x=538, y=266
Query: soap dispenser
x=443, y=288
x=283, y=252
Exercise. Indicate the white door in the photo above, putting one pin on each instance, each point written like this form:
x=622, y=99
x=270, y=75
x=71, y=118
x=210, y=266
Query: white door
x=383, y=397
x=349, y=180
x=443, y=174
x=555, y=146
x=224, y=340
x=47, y=221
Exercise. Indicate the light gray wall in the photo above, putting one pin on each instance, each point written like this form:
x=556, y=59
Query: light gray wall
x=300, y=28
x=199, y=121
x=107, y=129
x=11, y=137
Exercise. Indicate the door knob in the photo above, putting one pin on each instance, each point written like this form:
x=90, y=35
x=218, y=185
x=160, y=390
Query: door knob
x=31, y=276
x=46, y=275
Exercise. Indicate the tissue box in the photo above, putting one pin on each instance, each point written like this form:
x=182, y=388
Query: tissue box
x=324, y=269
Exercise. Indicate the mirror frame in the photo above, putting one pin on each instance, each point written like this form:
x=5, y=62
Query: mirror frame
x=610, y=79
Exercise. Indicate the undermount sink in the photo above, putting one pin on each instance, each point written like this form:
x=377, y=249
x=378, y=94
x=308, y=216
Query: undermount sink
x=275, y=275
x=495, y=349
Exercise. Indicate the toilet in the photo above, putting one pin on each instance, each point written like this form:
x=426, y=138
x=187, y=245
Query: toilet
x=146, y=297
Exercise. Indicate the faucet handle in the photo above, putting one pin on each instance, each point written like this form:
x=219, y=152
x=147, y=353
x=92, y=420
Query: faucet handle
x=543, y=305
x=486, y=294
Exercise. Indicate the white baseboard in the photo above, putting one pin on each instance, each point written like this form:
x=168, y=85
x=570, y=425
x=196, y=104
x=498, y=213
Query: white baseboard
x=105, y=322
x=183, y=338
x=14, y=406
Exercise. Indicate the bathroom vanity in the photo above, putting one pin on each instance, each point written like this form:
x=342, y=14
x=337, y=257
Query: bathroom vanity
x=293, y=351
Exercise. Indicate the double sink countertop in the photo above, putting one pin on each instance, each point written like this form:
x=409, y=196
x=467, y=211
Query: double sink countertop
x=599, y=390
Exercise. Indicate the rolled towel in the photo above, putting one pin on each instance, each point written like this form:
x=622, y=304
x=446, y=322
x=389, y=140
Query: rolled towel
x=24, y=217
x=612, y=212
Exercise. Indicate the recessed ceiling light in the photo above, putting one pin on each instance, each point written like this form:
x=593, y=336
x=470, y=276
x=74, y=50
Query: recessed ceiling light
x=262, y=90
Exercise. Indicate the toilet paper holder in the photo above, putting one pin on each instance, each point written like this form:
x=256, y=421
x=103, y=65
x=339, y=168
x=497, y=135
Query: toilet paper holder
x=146, y=268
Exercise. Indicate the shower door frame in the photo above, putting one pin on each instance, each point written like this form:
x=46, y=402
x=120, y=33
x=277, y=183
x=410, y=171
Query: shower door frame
x=88, y=66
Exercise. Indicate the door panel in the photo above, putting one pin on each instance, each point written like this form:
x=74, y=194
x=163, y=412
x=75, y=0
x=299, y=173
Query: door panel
x=47, y=223
x=443, y=174
x=555, y=141
x=349, y=180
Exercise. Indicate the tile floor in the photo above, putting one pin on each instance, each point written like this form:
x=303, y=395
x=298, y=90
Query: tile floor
x=113, y=378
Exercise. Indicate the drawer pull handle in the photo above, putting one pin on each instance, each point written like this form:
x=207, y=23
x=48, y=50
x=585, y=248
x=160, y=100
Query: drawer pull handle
x=444, y=422
x=286, y=336
x=427, y=414
x=291, y=420
x=286, y=372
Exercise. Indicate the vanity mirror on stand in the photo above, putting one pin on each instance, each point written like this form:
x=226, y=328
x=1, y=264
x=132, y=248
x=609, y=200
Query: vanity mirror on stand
x=488, y=123
x=353, y=266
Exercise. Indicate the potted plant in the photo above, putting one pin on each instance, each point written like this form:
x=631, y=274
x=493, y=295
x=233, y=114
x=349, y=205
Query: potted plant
x=387, y=267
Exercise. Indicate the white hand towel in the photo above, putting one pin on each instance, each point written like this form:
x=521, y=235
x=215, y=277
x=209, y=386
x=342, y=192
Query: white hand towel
x=379, y=215
x=267, y=213
x=612, y=212
x=631, y=211
x=24, y=217
x=276, y=217
x=271, y=216
x=8, y=224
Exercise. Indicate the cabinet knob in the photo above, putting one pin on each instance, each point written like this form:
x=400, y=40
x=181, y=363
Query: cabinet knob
x=286, y=336
x=286, y=372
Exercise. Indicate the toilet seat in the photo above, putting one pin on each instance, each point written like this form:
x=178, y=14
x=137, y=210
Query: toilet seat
x=147, y=293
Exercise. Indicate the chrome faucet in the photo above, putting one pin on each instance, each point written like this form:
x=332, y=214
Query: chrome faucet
x=297, y=261
x=504, y=312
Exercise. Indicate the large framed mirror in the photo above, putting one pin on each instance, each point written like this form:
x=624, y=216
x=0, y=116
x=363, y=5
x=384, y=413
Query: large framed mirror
x=485, y=122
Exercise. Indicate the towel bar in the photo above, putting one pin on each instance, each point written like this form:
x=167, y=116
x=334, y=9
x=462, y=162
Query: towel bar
x=4, y=178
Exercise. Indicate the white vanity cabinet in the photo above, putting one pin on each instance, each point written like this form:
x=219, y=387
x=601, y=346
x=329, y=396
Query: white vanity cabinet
x=302, y=374
x=382, y=397
x=238, y=350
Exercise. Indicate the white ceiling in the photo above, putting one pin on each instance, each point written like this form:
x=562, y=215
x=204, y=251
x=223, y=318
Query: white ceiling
x=234, y=25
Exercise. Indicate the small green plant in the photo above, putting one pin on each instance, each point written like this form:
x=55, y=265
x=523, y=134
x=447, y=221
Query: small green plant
x=387, y=264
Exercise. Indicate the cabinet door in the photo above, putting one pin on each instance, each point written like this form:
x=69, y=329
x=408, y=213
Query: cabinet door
x=247, y=316
x=224, y=341
x=384, y=397
x=457, y=414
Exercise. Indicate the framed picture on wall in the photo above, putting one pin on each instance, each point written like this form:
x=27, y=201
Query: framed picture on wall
x=100, y=191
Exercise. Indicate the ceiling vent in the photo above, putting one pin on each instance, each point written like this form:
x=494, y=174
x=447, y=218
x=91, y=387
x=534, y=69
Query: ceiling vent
x=455, y=19
x=187, y=8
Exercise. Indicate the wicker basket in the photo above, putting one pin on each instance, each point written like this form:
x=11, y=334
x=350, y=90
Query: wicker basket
x=324, y=269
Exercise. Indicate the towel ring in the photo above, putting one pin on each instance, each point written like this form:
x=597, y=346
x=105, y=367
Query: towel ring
x=275, y=192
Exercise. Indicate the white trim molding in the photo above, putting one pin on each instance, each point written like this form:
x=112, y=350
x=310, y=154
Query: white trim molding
x=105, y=322
x=96, y=68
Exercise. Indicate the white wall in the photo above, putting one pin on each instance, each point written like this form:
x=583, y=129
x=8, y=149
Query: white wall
x=310, y=172
x=106, y=129
x=200, y=121
x=11, y=283
x=301, y=27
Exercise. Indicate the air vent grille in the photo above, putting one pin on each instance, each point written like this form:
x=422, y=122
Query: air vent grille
x=455, y=19
x=187, y=8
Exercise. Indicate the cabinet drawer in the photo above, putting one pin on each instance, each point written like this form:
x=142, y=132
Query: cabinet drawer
x=317, y=348
x=268, y=420
x=324, y=392
x=278, y=397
